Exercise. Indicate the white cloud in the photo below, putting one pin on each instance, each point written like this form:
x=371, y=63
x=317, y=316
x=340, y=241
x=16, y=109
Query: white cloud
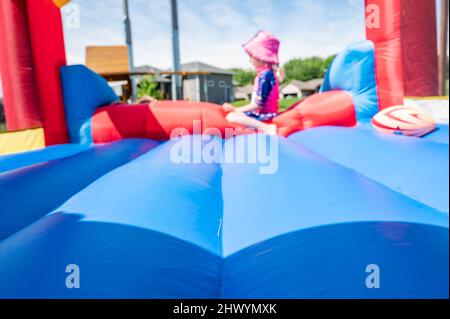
x=214, y=30
x=100, y=25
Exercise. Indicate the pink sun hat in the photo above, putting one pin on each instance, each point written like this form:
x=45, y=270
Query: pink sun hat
x=263, y=46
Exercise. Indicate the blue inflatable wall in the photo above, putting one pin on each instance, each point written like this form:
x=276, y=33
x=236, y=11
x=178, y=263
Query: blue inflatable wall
x=353, y=71
x=84, y=92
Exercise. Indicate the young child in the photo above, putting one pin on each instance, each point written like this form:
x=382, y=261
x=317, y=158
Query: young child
x=263, y=52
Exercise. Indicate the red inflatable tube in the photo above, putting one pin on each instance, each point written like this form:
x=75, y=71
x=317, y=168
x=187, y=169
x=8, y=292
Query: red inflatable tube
x=156, y=120
x=115, y=122
x=161, y=119
x=334, y=108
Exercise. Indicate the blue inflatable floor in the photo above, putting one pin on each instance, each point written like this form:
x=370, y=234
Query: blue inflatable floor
x=138, y=224
x=415, y=167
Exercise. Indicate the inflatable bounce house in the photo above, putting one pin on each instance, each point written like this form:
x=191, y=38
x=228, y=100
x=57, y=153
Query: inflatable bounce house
x=348, y=211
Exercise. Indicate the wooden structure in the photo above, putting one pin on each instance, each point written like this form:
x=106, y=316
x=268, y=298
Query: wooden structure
x=112, y=63
x=443, y=42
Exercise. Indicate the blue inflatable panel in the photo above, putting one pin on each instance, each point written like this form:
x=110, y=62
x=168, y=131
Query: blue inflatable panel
x=148, y=229
x=84, y=91
x=335, y=261
x=295, y=225
x=353, y=71
x=439, y=135
x=31, y=192
x=417, y=168
x=312, y=228
x=10, y=162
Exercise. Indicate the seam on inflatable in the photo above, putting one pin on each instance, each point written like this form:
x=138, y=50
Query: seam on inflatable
x=221, y=259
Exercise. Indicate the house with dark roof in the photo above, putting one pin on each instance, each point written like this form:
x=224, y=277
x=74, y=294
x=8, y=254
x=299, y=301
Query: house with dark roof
x=243, y=92
x=212, y=84
x=300, y=89
x=151, y=69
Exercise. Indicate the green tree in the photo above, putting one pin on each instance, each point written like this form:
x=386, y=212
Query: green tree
x=147, y=86
x=243, y=76
x=304, y=69
x=308, y=68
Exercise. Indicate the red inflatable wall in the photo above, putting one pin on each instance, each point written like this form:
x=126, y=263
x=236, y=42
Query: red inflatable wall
x=386, y=37
x=405, y=48
x=419, y=48
x=49, y=55
x=16, y=68
x=31, y=53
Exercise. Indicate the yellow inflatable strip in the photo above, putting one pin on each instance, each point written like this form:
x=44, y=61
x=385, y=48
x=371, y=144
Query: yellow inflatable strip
x=431, y=98
x=60, y=3
x=21, y=141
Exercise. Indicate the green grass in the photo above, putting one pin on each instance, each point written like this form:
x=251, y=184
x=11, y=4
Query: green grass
x=2, y=127
x=284, y=103
x=240, y=103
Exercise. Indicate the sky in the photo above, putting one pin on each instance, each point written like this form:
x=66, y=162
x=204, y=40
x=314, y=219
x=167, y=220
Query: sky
x=212, y=31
